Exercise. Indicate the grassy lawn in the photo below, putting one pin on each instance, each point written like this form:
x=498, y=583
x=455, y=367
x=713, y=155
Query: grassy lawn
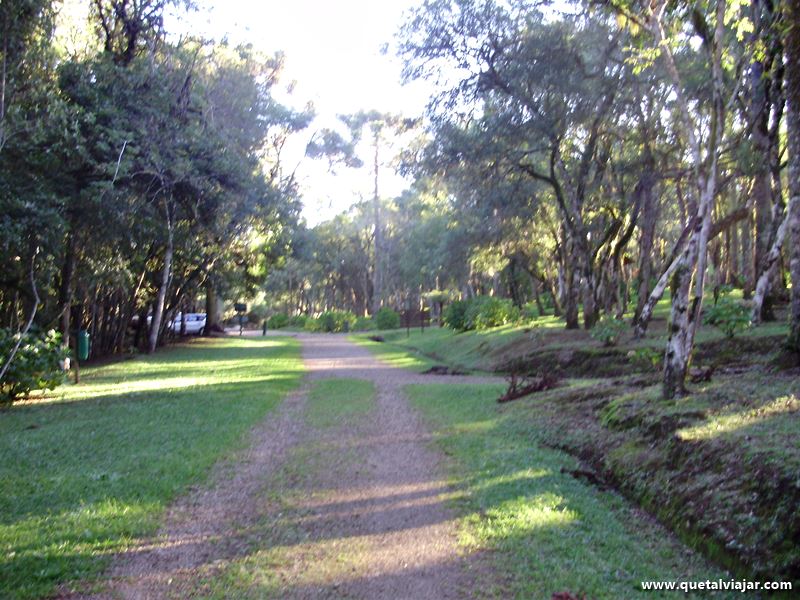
x=89, y=470
x=551, y=532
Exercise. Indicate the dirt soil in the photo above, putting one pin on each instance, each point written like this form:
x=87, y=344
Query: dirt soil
x=358, y=510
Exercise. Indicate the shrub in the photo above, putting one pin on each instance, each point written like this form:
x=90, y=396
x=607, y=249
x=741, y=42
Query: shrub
x=278, y=321
x=728, y=315
x=298, y=321
x=36, y=366
x=364, y=324
x=608, y=330
x=335, y=321
x=646, y=359
x=454, y=314
x=386, y=318
x=312, y=325
x=484, y=312
x=530, y=312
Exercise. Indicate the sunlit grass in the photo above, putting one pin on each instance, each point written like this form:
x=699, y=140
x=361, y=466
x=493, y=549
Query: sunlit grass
x=84, y=477
x=394, y=355
x=549, y=531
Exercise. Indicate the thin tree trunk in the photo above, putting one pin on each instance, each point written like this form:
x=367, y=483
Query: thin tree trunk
x=65, y=289
x=571, y=289
x=762, y=184
x=166, y=276
x=685, y=315
x=377, y=283
x=747, y=257
x=648, y=229
x=769, y=264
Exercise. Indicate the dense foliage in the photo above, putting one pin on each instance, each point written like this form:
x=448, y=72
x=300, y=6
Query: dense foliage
x=386, y=318
x=480, y=312
x=608, y=330
x=138, y=176
x=38, y=365
x=728, y=315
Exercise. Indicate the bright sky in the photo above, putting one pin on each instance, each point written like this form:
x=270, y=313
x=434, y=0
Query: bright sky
x=333, y=52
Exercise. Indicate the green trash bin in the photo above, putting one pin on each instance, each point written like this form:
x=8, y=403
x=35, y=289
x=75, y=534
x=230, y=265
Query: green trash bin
x=83, y=344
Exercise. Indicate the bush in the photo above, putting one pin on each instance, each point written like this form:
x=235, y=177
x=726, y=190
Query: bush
x=646, y=359
x=608, y=330
x=484, y=312
x=454, y=315
x=728, y=315
x=364, y=324
x=277, y=321
x=36, y=366
x=298, y=321
x=386, y=318
x=335, y=321
x=530, y=312
x=312, y=325
x=480, y=312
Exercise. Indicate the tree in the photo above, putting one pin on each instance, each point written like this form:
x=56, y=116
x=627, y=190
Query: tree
x=792, y=45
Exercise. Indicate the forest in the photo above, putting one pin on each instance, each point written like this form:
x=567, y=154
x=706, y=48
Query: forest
x=585, y=159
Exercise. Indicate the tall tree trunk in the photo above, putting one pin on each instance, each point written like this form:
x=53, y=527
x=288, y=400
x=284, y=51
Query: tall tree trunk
x=166, y=276
x=747, y=257
x=685, y=315
x=65, y=289
x=734, y=268
x=213, y=312
x=648, y=234
x=770, y=262
x=377, y=283
x=762, y=184
x=588, y=289
x=792, y=47
x=571, y=289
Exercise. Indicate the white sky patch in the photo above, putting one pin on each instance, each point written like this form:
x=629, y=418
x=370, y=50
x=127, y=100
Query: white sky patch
x=333, y=53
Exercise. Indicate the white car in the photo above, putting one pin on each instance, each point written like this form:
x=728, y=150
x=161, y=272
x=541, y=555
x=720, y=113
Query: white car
x=195, y=323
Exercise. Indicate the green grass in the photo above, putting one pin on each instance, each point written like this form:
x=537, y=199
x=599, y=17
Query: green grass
x=334, y=402
x=91, y=469
x=419, y=351
x=394, y=354
x=550, y=532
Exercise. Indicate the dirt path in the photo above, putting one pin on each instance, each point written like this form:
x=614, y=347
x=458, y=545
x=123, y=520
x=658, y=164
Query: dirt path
x=358, y=510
